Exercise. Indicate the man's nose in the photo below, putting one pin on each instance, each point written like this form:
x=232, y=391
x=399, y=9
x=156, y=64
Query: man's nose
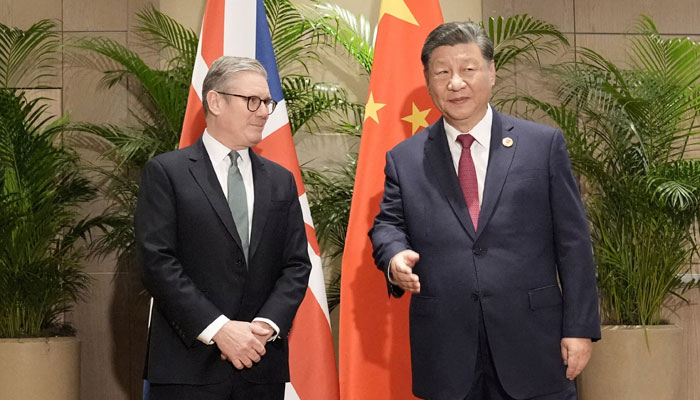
x=456, y=82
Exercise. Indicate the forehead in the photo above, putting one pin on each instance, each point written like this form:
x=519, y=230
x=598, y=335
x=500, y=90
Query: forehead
x=252, y=82
x=458, y=52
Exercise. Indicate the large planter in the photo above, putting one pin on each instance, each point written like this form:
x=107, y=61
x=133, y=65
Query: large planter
x=40, y=369
x=624, y=366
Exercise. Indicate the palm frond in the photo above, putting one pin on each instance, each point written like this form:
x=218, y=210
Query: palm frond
x=165, y=90
x=523, y=37
x=294, y=37
x=41, y=189
x=166, y=34
x=330, y=194
x=310, y=103
x=27, y=55
x=352, y=32
x=677, y=184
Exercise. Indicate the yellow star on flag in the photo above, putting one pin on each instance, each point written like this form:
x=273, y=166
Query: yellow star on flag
x=371, y=108
x=417, y=118
x=398, y=9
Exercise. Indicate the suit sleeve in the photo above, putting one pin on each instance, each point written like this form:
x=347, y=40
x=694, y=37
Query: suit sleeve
x=388, y=234
x=289, y=289
x=179, y=300
x=574, y=255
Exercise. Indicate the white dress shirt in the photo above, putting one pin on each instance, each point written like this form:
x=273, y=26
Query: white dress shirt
x=218, y=154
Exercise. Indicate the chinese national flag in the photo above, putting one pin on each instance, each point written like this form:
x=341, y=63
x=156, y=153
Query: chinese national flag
x=374, y=347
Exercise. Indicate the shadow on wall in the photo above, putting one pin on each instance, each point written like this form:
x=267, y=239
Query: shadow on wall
x=131, y=306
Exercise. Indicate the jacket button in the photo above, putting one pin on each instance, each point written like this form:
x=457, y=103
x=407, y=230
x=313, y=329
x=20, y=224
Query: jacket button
x=475, y=296
x=477, y=250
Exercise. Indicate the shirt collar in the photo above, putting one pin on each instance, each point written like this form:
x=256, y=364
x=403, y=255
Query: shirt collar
x=481, y=131
x=218, y=151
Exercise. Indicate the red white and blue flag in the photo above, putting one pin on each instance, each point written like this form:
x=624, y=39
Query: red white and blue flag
x=239, y=28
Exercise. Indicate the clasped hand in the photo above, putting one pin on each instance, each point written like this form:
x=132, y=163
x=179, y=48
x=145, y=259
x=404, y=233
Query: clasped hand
x=243, y=343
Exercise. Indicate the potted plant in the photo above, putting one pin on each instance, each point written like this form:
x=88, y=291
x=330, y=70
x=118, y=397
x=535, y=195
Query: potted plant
x=631, y=132
x=41, y=187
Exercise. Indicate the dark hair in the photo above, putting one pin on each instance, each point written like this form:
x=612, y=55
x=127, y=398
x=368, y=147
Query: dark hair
x=220, y=71
x=454, y=33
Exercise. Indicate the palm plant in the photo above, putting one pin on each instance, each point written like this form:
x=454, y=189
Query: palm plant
x=27, y=56
x=41, y=187
x=322, y=106
x=158, y=115
x=521, y=43
x=631, y=132
x=302, y=36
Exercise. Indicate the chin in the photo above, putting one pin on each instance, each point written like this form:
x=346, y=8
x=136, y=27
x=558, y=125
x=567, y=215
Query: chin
x=254, y=141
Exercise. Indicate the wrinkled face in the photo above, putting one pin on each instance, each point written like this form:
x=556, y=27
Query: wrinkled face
x=235, y=125
x=459, y=81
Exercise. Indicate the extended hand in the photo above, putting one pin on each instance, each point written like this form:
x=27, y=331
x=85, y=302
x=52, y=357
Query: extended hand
x=401, y=271
x=575, y=352
x=239, y=344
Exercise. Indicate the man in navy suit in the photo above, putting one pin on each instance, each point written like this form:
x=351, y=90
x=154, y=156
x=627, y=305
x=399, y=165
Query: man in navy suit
x=224, y=253
x=482, y=221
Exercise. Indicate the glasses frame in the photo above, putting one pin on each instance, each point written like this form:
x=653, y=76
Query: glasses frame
x=269, y=103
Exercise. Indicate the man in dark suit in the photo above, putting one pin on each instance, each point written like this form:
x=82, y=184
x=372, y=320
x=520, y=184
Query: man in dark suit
x=223, y=248
x=481, y=219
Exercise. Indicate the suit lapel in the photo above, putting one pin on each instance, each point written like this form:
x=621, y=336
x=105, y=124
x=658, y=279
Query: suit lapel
x=203, y=173
x=500, y=159
x=439, y=159
x=262, y=200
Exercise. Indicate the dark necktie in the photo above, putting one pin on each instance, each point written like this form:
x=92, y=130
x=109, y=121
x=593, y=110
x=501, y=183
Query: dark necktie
x=467, y=178
x=238, y=201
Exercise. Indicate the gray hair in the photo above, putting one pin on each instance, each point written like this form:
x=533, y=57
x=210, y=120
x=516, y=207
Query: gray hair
x=220, y=71
x=454, y=33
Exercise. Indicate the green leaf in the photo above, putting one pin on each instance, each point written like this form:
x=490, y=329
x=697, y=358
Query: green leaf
x=27, y=56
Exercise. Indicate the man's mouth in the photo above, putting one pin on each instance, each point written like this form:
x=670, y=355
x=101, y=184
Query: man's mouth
x=459, y=100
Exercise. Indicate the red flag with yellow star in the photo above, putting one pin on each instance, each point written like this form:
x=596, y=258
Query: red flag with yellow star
x=374, y=349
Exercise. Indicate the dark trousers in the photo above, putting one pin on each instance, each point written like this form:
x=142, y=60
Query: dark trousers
x=235, y=388
x=486, y=384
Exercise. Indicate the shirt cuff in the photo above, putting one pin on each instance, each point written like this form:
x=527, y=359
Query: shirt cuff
x=388, y=272
x=272, y=325
x=208, y=334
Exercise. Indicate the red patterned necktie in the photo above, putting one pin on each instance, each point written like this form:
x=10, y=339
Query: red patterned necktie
x=467, y=178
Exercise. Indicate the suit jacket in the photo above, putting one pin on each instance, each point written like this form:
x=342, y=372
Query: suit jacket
x=194, y=267
x=532, y=237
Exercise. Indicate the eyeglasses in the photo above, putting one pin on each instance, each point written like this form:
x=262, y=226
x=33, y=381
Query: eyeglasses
x=254, y=102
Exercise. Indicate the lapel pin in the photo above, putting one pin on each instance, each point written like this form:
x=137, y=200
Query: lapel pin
x=507, y=141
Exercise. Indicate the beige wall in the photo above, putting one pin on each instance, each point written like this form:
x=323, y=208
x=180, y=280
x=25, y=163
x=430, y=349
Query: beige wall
x=111, y=323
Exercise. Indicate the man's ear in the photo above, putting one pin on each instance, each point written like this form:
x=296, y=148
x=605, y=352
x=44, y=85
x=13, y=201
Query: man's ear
x=214, y=101
x=492, y=72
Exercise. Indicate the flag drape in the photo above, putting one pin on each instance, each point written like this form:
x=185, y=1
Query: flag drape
x=374, y=347
x=239, y=28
